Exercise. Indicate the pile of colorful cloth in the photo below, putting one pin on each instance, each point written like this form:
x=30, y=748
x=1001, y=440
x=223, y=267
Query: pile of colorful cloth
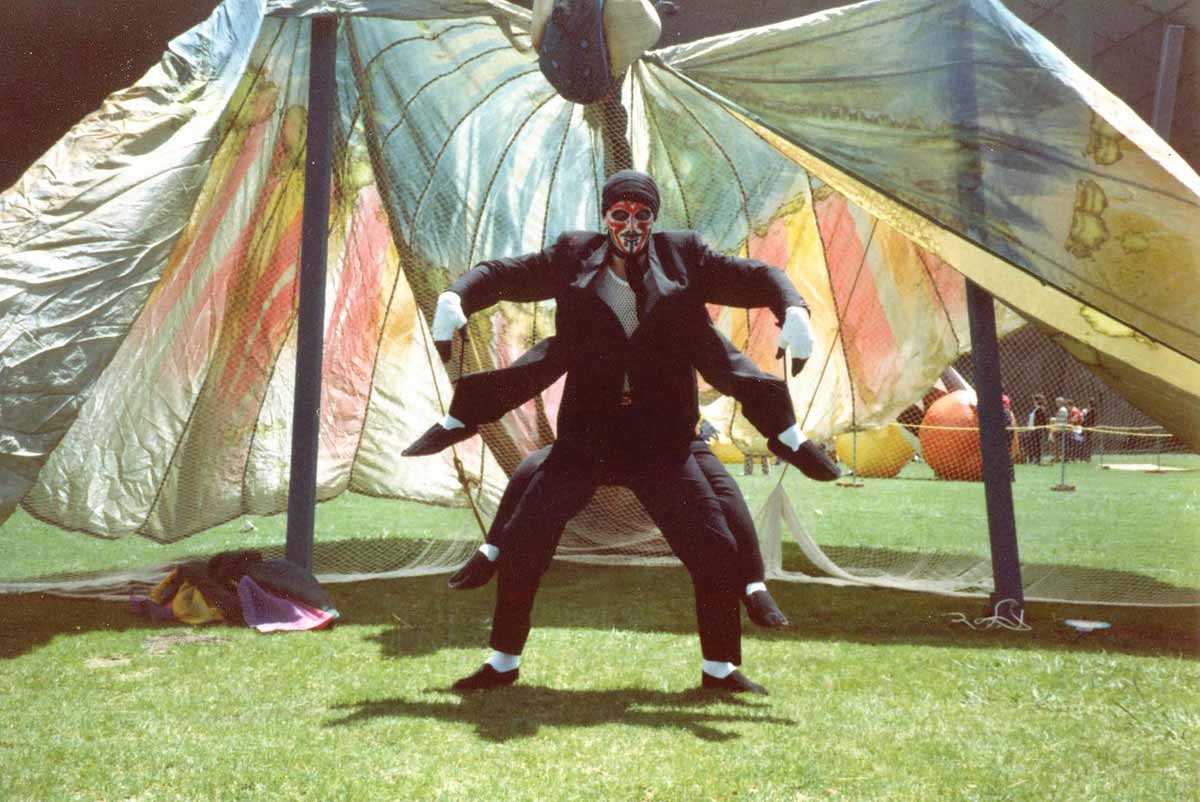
x=242, y=589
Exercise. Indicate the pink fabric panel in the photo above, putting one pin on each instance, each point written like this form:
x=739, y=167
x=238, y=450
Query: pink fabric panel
x=267, y=612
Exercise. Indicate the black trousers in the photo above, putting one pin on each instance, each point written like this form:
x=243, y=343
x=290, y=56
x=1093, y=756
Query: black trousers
x=678, y=497
x=738, y=518
x=1033, y=446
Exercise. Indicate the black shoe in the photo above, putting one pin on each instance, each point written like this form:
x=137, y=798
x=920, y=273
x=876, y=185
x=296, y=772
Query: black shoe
x=810, y=458
x=475, y=573
x=487, y=678
x=737, y=682
x=763, y=611
x=437, y=438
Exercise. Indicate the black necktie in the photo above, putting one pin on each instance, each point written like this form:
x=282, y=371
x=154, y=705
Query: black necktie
x=635, y=269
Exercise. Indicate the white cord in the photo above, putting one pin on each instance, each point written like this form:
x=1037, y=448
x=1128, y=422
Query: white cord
x=997, y=619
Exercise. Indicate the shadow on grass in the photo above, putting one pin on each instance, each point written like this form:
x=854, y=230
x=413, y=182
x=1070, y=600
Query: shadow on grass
x=419, y=615
x=32, y=620
x=522, y=711
x=659, y=600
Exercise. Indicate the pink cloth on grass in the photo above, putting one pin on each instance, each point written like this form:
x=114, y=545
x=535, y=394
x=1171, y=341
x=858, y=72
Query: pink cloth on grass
x=267, y=612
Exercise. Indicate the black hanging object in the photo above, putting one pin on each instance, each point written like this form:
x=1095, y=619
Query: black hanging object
x=573, y=54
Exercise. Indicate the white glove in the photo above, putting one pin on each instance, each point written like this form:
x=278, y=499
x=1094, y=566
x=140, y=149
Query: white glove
x=796, y=334
x=448, y=317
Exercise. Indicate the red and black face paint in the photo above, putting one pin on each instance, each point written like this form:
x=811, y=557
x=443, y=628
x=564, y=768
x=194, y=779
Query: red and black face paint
x=629, y=223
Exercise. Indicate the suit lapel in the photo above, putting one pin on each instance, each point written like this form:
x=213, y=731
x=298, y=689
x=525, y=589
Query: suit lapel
x=591, y=268
x=655, y=284
x=583, y=292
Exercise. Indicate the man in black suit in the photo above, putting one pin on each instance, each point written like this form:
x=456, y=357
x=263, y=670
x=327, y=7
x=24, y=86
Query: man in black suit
x=626, y=303
x=484, y=396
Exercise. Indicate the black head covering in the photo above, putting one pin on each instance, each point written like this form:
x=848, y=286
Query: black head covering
x=630, y=185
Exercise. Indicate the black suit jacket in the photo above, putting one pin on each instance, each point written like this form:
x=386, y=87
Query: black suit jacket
x=682, y=275
x=484, y=396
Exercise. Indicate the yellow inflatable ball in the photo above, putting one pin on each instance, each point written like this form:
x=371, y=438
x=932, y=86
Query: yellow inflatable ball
x=878, y=453
x=727, y=452
x=950, y=437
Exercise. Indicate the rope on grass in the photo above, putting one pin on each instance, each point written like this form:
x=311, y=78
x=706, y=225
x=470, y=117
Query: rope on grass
x=1014, y=621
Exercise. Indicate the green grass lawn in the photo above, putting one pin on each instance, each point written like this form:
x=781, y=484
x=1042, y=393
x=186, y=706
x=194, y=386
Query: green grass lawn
x=1143, y=524
x=876, y=695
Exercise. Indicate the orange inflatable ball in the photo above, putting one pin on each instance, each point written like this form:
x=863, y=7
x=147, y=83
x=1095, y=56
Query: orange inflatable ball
x=878, y=453
x=950, y=437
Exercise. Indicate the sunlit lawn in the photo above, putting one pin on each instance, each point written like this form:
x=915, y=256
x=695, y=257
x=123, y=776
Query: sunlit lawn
x=1144, y=523
x=875, y=695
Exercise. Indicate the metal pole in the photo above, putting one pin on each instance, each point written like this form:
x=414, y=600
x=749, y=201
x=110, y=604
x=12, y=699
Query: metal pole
x=993, y=444
x=310, y=333
x=1168, y=80
x=985, y=350
x=1062, y=458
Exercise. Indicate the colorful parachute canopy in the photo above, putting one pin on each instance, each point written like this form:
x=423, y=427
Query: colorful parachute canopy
x=878, y=153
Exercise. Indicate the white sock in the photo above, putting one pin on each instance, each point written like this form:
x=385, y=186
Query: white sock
x=489, y=551
x=452, y=422
x=755, y=587
x=791, y=437
x=717, y=669
x=502, y=661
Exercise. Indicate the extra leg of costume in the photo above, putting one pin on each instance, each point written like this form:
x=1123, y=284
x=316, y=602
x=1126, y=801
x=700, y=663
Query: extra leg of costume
x=764, y=398
x=737, y=514
x=485, y=396
x=760, y=606
x=479, y=569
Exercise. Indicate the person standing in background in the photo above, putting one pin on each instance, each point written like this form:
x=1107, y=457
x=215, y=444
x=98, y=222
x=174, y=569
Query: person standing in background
x=1058, y=429
x=1089, y=423
x=1038, y=418
x=1075, y=436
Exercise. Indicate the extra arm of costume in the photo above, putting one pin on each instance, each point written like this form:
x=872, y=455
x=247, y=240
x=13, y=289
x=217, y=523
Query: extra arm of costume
x=531, y=277
x=745, y=283
x=484, y=396
x=524, y=278
x=749, y=283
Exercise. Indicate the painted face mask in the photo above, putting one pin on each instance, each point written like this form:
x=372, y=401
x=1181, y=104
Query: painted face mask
x=629, y=224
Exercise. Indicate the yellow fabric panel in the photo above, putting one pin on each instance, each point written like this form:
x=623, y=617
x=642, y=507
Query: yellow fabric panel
x=190, y=607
